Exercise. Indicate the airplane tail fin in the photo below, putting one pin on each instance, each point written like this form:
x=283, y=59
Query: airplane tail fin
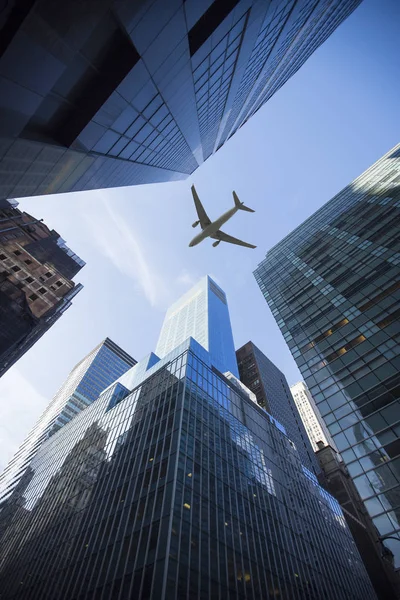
x=240, y=205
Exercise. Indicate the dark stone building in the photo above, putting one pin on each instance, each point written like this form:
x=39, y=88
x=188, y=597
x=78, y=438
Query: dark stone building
x=36, y=287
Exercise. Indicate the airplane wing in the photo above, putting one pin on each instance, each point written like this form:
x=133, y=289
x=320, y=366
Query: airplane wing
x=224, y=237
x=201, y=213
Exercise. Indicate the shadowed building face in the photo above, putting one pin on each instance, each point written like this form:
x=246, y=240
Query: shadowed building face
x=181, y=487
x=106, y=94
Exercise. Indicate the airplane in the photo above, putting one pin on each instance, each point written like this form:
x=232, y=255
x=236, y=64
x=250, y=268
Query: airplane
x=212, y=229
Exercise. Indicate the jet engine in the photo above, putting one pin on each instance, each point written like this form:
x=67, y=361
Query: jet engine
x=195, y=223
x=215, y=244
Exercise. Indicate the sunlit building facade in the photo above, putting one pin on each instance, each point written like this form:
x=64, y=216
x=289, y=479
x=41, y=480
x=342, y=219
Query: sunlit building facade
x=333, y=286
x=201, y=313
x=175, y=484
x=94, y=373
x=107, y=94
x=309, y=413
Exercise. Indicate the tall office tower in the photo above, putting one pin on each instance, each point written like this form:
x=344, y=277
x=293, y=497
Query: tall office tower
x=36, y=287
x=175, y=484
x=106, y=94
x=103, y=365
x=333, y=286
x=272, y=392
x=202, y=313
x=314, y=425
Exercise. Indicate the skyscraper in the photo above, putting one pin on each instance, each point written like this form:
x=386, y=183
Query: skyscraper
x=272, y=391
x=312, y=420
x=202, y=313
x=174, y=484
x=377, y=559
x=36, y=287
x=333, y=285
x=103, y=365
x=107, y=94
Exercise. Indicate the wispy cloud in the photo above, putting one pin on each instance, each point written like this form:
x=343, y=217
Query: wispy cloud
x=123, y=246
x=20, y=406
x=187, y=279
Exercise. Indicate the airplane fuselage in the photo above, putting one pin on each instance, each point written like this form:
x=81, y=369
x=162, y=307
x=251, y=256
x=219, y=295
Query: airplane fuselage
x=211, y=229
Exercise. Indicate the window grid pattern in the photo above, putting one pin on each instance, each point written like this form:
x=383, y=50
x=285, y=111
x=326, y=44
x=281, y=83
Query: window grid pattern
x=186, y=483
x=212, y=80
x=202, y=313
x=87, y=380
x=290, y=33
x=333, y=287
x=296, y=45
x=150, y=136
x=313, y=423
x=272, y=392
x=142, y=96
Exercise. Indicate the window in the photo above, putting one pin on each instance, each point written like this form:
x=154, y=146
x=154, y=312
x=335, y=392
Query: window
x=29, y=279
x=59, y=283
x=33, y=297
x=49, y=274
x=208, y=23
x=28, y=261
x=3, y=257
x=17, y=252
x=15, y=268
x=107, y=65
x=42, y=290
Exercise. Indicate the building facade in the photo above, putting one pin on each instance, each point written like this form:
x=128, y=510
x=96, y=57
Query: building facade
x=36, y=287
x=202, y=313
x=272, y=392
x=106, y=94
x=378, y=560
x=312, y=420
x=333, y=286
x=174, y=484
x=94, y=373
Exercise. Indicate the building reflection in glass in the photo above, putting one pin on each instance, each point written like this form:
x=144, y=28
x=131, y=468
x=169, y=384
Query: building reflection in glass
x=180, y=486
x=333, y=285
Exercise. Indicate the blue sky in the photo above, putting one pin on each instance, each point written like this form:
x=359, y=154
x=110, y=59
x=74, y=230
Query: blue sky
x=330, y=122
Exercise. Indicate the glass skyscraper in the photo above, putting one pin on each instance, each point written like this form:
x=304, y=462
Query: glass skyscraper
x=107, y=94
x=94, y=373
x=202, y=313
x=272, y=392
x=175, y=484
x=333, y=286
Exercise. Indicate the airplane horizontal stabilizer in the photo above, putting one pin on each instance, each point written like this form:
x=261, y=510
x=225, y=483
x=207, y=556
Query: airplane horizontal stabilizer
x=240, y=205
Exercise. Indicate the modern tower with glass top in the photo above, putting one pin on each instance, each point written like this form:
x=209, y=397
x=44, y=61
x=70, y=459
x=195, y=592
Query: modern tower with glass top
x=333, y=285
x=87, y=380
x=175, y=484
x=202, y=313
